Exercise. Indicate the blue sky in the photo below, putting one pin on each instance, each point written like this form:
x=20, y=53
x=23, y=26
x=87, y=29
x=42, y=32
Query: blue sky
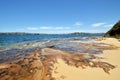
x=58, y=16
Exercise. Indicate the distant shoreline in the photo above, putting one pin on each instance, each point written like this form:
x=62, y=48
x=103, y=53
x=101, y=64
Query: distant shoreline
x=48, y=33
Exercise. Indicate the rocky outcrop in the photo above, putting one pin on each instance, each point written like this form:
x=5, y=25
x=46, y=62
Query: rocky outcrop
x=28, y=68
x=75, y=59
x=114, y=31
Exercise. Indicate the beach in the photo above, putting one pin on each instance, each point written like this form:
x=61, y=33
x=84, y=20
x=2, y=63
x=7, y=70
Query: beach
x=59, y=40
x=68, y=59
x=65, y=72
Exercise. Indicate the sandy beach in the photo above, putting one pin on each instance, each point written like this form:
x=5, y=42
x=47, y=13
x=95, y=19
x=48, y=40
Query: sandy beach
x=59, y=40
x=62, y=71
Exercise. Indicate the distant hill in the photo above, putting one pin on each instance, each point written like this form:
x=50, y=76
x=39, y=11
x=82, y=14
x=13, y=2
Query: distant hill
x=25, y=33
x=18, y=33
x=78, y=33
x=114, y=31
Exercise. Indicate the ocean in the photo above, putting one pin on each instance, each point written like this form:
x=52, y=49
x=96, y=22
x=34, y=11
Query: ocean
x=13, y=38
x=15, y=46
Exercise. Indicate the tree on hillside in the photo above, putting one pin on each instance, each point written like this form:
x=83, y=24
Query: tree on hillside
x=114, y=31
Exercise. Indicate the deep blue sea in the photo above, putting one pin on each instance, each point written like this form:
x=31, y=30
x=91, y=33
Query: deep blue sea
x=9, y=39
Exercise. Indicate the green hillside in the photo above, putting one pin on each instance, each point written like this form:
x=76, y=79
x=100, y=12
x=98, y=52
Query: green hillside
x=114, y=31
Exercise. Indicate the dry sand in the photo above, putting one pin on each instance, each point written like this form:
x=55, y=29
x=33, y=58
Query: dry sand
x=63, y=71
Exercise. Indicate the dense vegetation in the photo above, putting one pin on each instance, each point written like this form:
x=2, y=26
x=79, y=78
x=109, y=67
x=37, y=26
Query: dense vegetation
x=114, y=31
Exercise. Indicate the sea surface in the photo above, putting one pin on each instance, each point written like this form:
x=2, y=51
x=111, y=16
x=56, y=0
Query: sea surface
x=10, y=39
x=16, y=46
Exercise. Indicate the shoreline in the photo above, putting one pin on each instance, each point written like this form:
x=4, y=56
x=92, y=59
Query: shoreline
x=110, y=56
x=101, y=61
x=45, y=40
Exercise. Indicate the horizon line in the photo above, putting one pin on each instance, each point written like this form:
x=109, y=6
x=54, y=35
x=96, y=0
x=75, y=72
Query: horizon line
x=53, y=33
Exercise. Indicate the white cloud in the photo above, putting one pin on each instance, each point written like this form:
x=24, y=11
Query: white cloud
x=59, y=28
x=48, y=28
x=45, y=27
x=78, y=24
x=108, y=25
x=102, y=24
x=66, y=28
x=32, y=28
x=98, y=24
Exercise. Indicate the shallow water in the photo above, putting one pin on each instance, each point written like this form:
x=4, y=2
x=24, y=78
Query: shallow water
x=72, y=45
x=14, y=54
x=9, y=39
x=19, y=46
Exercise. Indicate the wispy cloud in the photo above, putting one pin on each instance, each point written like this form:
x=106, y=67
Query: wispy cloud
x=102, y=24
x=60, y=28
x=108, y=25
x=78, y=24
x=48, y=28
x=45, y=27
x=98, y=24
x=32, y=28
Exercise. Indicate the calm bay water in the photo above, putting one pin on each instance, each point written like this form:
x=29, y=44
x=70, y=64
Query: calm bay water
x=9, y=39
